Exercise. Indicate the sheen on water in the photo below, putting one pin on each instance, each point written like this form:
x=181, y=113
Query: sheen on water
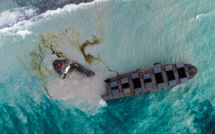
x=109, y=37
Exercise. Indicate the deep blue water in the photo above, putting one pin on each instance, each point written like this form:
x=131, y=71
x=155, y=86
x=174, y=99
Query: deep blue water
x=131, y=34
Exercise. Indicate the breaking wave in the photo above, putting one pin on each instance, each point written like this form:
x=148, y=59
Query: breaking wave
x=16, y=15
x=120, y=35
x=21, y=17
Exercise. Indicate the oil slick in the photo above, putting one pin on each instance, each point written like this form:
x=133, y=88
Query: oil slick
x=88, y=57
x=52, y=43
x=78, y=88
x=147, y=6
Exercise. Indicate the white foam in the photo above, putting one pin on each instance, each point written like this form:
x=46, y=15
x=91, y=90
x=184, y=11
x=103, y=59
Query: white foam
x=69, y=8
x=23, y=33
x=20, y=17
x=199, y=17
x=84, y=92
x=11, y=17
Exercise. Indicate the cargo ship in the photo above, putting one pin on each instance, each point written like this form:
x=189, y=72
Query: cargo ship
x=148, y=80
x=135, y=82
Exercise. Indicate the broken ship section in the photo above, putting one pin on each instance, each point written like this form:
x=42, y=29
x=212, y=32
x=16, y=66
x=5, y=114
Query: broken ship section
x=148, y=80
x=64, y=66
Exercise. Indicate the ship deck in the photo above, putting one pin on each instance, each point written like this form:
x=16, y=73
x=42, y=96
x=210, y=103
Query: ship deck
x=148, y=80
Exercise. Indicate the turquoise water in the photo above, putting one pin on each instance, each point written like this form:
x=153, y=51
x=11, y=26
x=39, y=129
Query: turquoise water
x=131, y=34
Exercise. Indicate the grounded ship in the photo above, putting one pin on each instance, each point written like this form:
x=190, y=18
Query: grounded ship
x=148, y=80
x=64, y=66
x=135, y=82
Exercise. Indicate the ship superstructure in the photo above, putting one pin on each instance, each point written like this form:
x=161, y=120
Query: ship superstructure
x=64, y=66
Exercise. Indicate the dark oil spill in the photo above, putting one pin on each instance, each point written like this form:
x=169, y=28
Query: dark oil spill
x=110, y=69
x=37, y=56
x=147, y=6
x=34, y=61
x=75, y=41
x=48, y=92
x=49, y=44
x=88, y=57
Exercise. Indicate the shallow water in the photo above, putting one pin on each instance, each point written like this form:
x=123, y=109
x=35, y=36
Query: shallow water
x=125, y=35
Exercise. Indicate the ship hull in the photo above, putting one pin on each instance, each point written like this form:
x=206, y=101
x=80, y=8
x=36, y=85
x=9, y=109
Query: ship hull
x=148, y=80
x=64, y=66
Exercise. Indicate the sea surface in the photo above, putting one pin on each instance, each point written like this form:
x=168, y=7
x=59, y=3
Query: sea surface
x=106, y=36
